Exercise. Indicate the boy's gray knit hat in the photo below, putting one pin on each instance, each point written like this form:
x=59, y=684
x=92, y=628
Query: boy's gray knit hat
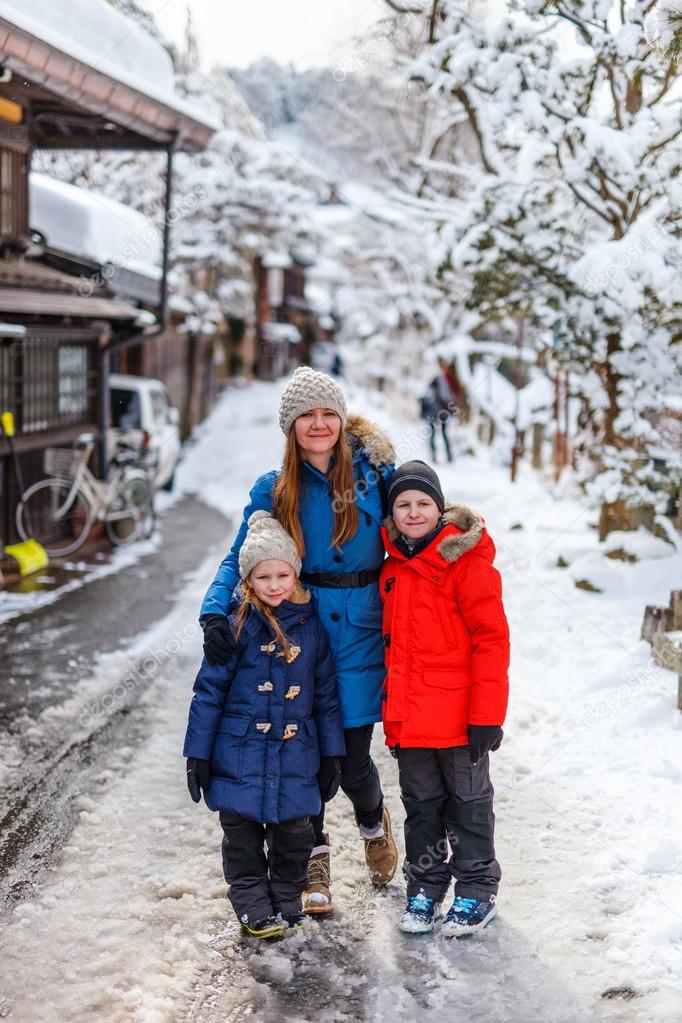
x=309, y=389
x=265, y=540
x=415, y=475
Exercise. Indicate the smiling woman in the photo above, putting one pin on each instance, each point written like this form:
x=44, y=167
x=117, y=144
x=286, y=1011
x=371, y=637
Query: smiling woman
x=330, y=498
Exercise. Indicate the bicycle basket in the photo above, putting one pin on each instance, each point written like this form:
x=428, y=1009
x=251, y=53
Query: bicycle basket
x=62, y=462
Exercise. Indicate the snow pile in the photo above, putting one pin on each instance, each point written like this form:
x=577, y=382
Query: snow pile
x=82, y=223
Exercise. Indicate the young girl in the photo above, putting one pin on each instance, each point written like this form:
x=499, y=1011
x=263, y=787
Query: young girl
x=447, y=655
x=258, y=725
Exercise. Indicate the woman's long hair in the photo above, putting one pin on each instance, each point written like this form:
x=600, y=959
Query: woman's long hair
x=286, y=492
x=248, y=597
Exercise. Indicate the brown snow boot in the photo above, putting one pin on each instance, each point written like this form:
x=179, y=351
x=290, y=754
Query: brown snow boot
x=381, y=853
x=317, y=898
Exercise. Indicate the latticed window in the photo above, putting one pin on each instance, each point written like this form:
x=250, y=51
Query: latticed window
x=49, y=379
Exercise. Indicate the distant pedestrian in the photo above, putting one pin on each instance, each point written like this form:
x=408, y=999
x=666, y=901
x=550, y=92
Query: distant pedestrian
x=264, y=735
x=433, y=413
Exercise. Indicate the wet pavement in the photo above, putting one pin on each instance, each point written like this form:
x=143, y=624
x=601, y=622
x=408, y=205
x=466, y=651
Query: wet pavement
x=51, y=749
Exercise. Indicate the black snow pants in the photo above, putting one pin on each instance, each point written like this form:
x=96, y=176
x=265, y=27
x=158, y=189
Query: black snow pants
x=448, y=800
x=263, y=885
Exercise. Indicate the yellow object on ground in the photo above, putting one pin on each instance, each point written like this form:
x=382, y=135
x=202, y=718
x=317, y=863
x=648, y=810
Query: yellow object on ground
x=29, y=555
x=7, y=420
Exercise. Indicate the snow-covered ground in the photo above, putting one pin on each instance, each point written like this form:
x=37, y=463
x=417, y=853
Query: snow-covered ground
x=132, y=927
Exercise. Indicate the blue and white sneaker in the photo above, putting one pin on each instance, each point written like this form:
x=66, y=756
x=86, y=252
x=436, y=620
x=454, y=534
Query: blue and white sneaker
x=420, y=915
x=466, y=916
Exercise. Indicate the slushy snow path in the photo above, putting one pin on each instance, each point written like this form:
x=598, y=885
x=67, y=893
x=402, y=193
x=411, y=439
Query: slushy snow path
x=132, y=927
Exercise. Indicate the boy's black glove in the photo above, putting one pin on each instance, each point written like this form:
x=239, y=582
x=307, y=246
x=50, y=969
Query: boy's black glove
x=329, y=777
x=483, y=739
x=219, y=641
x=198, y=777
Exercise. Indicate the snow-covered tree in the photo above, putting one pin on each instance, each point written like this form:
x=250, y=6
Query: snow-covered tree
x=569, y=215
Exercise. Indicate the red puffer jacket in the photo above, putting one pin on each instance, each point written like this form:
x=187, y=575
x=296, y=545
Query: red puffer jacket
x=446, y=635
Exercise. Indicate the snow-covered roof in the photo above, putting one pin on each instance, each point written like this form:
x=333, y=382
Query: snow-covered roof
x=281, y=333
x=275, y=259
x=84, y=224
x=103, y=40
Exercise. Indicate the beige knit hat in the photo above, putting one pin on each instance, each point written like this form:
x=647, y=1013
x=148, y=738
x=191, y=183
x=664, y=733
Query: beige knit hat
x=309, y=389
x=265, y=540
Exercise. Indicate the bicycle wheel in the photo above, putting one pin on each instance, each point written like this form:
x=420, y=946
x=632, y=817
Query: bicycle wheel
x=130, y=516
x=56, y=517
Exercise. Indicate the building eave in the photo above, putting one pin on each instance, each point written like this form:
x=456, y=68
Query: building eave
x=74, y=81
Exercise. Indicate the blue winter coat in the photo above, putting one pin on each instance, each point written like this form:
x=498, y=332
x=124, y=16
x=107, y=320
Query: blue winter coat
x=351, y=616
x=241, y=711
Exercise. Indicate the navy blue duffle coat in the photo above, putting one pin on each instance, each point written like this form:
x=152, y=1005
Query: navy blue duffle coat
x=241, y=712
x=351, y=616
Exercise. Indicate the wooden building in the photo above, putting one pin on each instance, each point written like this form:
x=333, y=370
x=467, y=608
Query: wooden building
x=286, y=325
x=57, y=337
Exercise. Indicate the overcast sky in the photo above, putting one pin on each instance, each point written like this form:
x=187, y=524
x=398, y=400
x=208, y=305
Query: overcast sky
x=307, y=33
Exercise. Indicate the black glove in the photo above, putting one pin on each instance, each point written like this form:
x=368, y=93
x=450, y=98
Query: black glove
x=483, y=739
x=219, y=641
x=198, y=777
x=329, y=777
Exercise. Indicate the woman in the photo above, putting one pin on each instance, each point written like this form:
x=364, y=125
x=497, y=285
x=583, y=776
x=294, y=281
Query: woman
x=330, y=496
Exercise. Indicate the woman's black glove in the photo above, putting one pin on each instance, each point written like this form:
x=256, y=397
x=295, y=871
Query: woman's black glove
x=329, y=777
x=198, y=777
x=483, y=739
x=219, y=641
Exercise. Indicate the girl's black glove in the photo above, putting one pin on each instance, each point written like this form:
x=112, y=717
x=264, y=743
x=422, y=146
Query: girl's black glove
x=219, y=641
x=329, y=777
x=483, y=739
x=198, y=777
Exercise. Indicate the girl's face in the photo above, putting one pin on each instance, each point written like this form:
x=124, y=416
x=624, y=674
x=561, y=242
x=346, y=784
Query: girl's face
x=317, y=431
x=273, y=581
x=415, y=514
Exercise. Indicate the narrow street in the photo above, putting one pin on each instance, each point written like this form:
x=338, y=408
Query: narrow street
x=73, y=674
x=130, y=923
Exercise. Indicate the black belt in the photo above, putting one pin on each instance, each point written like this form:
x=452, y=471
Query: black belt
x=341, y=580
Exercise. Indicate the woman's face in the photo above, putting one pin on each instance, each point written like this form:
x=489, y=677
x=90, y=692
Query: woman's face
x=273, y=581
x=415, y=514
x=317, y=431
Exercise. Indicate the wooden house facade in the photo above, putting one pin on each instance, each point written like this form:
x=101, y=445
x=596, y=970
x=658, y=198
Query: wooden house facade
x=59, y=340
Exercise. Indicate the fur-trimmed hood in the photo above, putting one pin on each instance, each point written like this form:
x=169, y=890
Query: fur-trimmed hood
x=371, y=438
x=454, y=545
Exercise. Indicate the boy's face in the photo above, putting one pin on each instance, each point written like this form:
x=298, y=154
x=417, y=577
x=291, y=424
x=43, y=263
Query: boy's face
x=415, y=514
x=273, y=581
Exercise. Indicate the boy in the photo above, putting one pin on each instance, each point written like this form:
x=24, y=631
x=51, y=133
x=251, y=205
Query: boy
x=447, y=656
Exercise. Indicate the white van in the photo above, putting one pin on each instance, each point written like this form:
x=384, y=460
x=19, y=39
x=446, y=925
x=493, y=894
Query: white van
x=141, y=409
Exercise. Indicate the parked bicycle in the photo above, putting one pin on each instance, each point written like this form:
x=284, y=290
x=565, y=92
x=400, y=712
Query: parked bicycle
x=61, y=511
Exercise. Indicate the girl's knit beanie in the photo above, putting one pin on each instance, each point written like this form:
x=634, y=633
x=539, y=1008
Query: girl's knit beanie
x=267, y=540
